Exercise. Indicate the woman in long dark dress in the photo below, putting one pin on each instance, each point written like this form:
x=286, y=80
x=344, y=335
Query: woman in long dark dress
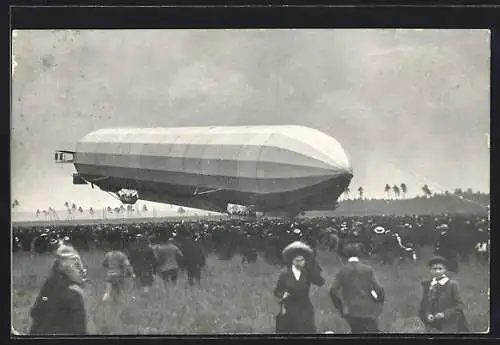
x=61, y=307
x=292, y=289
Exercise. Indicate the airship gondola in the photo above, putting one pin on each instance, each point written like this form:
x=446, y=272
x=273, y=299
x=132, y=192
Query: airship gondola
x=286, y=169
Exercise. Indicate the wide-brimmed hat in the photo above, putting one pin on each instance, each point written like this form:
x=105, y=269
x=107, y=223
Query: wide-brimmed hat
x=437, y=260
x=379, y=230
x=296, y=248
x=443, y=226
x=66, y=252
x=70, y=263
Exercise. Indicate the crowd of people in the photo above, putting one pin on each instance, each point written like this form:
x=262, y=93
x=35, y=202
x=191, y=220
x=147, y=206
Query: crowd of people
x=386, y=239
x=141, y=250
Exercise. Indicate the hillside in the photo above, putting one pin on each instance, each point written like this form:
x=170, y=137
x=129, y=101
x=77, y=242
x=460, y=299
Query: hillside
x=437, y=204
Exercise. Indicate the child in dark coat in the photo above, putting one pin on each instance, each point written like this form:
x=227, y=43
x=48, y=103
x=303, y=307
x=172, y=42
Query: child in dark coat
x=441, y=308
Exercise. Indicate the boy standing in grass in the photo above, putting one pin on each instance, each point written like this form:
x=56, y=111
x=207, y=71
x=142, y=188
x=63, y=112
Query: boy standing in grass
x=118, y=269
x=441, y=308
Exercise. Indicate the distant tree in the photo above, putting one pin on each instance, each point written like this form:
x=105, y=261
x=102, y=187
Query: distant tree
x=458, y=192
x=360, y=192
x=427, y=191
x=404, y=189
x=387, y=190
x=130, y=209
x=469, y=191
x=66, y=204
x=80, y=210
x=73, y=207
x=52, y=212
x=91, y=212
x=37, y=213
x=447, y=193
x=15, y=205
x=181, y=211
x=395, y=188
x=144, y=208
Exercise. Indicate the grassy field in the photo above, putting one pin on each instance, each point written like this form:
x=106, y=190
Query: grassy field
x=237, y=298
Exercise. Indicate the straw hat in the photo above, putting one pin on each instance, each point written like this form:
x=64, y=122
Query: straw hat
x=379, y=230
x=296, y=248
x=70, y=263
x=66, y=252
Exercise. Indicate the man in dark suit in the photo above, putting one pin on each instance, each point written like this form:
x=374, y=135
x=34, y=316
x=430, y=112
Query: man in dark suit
x=357, y=294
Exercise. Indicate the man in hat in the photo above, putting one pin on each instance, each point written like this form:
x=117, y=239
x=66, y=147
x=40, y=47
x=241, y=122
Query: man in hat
x=61, y=306
x=192, y=257
x=357, y=294
x=441, y=307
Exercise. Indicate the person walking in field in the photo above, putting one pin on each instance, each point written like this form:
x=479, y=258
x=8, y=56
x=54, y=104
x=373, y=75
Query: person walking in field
x=441, y=307
x=61, y=306
x=447, y=247
x=143, y=261
x=192, y=259
x=118, y=269
x=292, y=290
x=168, y=256
x=357, y=294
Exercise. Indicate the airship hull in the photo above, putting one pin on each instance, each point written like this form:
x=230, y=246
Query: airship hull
x=268, y=167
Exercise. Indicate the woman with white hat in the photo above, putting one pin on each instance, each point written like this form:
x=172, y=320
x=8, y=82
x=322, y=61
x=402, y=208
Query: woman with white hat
x=292, y=290
x=60, y=307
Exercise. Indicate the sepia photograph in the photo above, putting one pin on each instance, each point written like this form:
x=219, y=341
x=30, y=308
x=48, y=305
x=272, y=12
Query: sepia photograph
x=250, y=181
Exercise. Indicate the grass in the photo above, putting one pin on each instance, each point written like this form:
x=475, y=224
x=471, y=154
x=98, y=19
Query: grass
x=237, y=298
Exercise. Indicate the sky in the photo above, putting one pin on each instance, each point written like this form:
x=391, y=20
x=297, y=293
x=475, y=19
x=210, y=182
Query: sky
x=408, y=106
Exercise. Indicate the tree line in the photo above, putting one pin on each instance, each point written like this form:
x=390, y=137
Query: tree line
x=401, y=190
x=394, y=192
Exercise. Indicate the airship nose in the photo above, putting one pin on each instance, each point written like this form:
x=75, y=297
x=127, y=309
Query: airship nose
x=339, y=163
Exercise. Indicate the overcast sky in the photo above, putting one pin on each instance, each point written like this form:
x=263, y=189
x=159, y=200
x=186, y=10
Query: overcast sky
x=407, y=105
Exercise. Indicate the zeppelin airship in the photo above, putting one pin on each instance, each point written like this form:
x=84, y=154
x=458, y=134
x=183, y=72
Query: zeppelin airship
x=270, y=169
